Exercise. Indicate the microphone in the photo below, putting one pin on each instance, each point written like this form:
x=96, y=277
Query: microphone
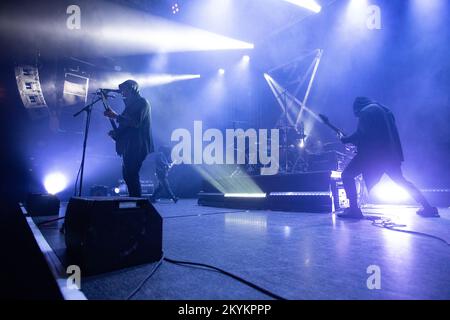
x=106, y=95
x=110, y=90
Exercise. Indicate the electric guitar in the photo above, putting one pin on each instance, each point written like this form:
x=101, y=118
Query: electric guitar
x=115, y=132
x=339, y=132
x=174, y=163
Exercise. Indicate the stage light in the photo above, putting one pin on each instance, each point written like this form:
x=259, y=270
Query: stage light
x=217, y=176
x=388, y=191
x=175, y=8
x=335, y=175
x=244, y=195
x=55, y=182
x=116, y=190
x=243, y=65
x=302, y=143
x=307, y=4
x=122, y=31
x=221, y=71
x=356, y=12
x=151, y=80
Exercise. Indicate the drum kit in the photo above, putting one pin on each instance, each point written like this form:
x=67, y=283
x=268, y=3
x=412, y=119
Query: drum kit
x=294, y=149
x=298, y=153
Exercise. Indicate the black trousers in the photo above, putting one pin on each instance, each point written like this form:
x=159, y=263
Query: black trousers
x=131, y=166
x=163, y=185
x=357, y=166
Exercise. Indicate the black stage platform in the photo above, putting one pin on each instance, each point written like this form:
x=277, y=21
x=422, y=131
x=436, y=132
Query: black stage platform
x=296, y=255
x=319, y=191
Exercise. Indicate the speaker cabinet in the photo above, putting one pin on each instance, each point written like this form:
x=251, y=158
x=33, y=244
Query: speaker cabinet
x=42, y=204
x=105, y=234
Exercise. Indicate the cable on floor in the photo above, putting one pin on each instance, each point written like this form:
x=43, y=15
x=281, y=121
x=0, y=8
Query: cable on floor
x=387, y=223
x=186, y=263
x=139, y=287
x=246, y=282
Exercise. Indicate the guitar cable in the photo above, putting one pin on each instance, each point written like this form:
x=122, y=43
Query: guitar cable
x=387, y=223
x=207, y=266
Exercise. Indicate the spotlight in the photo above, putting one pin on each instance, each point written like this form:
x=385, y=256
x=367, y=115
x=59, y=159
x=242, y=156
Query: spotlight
x=175, y=8
x=301, y=143
x=246, y=58
x=55, y=182
x=116, y=190
x=221, y=71
x=150, y=80
x=307, y=4
x=388, y=191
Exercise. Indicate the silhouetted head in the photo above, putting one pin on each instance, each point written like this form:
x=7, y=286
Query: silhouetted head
x=360, y=103
x=129, y=88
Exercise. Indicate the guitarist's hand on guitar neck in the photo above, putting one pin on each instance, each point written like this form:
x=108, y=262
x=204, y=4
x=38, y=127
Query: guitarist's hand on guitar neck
x=113, y=134
x=341, y=135
x=110, y=113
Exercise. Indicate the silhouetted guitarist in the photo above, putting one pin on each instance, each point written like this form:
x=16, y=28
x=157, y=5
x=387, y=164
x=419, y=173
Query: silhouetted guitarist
x=133, y=136
x=162, y=169
x=379, y=152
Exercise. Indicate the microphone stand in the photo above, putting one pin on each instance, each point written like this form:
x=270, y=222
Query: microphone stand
x=88, y=110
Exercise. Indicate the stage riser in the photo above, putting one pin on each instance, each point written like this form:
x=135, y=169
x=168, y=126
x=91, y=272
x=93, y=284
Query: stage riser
x=319, y=204
x=301, y=182
x=306, y=192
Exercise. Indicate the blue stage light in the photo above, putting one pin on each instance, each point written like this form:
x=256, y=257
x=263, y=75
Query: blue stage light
x=149, y=80
x=389, y=192
x=307, y=4
x=175, y=8
x=55, y=182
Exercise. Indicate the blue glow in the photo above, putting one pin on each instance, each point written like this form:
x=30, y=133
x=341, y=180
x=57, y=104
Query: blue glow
x=388, y=191
x=356, y=12
x=307, y=4
x=428, y=13
x=244, y=195
x=55, y=182
x=149, y=80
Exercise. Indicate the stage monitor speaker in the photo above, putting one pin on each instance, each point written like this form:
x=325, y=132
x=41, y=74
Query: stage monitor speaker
x=105, y=234
x=42, y=204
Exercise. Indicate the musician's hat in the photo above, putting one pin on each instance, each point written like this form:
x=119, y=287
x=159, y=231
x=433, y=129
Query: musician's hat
x=361, y=102
x=130, y=84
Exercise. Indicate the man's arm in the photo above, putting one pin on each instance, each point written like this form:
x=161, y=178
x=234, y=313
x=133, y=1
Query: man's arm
x=361, y=130
x=134, y=115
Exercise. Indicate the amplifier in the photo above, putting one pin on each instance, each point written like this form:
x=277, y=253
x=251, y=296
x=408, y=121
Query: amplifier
x=104, y=234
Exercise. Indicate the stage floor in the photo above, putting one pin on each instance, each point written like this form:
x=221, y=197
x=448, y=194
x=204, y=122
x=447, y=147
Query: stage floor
x=293, y=254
